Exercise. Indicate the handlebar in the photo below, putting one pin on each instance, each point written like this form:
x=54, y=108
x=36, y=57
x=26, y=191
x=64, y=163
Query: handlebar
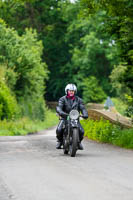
x=68, y=115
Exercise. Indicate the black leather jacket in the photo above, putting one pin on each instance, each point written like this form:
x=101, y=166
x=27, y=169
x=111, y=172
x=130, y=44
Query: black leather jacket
x=65, y=105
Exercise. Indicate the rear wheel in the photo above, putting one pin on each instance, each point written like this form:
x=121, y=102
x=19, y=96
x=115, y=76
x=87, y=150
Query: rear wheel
x=65, y=151
x=74, y=142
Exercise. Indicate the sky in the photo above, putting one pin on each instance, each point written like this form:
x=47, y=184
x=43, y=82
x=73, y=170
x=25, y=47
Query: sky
x=72, y=1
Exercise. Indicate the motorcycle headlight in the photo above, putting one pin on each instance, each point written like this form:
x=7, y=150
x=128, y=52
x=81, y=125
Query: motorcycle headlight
x=74, y=114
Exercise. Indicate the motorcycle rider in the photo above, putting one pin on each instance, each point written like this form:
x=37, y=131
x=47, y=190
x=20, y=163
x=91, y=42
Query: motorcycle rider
x=65, y=105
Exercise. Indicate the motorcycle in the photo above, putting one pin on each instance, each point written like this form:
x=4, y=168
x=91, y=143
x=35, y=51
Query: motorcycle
x=71, y=133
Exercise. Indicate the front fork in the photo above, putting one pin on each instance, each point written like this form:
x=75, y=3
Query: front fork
x=71, y=126
x=69, y=134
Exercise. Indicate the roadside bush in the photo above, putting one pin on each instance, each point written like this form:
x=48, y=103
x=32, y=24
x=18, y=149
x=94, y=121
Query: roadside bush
x=34, y=108
x=123, y=138
x=26, y=126
x=98, y=130
x=104, y=131
x=8, y=104
x=25, y=72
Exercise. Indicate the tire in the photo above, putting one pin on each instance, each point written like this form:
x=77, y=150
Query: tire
x=74, y=145
x=65, y=149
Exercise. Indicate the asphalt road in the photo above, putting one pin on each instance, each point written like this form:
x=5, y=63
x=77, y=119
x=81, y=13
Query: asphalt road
x=32, y=169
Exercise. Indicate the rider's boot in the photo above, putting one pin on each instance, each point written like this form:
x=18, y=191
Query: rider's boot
x=59, y=144
x=80, y=146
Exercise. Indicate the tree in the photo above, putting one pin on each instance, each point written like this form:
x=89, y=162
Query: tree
x=8, y=105
x=93, y=51
x=46, y=18
x=92, y=92
x=68, y=41
x=25, y=72
x=119, y=23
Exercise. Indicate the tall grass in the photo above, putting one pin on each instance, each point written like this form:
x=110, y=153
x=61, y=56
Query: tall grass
x=104, y=131
x=25, y=125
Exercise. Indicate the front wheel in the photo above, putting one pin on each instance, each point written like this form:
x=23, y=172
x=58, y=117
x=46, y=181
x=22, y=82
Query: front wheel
x=65, y=146
x=74, y=142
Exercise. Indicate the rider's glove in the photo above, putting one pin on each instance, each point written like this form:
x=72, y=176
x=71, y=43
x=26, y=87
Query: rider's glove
x=63, y=114
x=85, y=116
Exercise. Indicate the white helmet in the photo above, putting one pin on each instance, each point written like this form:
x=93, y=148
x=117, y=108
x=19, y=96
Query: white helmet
x=71, y=87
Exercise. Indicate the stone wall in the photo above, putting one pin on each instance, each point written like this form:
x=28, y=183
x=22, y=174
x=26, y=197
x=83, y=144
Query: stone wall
x=114, y=118
x=51, y=104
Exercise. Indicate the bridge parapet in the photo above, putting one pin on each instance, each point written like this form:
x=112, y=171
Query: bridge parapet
x=113, y=117
x=97, y=111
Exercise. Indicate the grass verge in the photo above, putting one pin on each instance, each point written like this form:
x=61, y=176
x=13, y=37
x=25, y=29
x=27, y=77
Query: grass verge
x=25, y=125
x=104, y=131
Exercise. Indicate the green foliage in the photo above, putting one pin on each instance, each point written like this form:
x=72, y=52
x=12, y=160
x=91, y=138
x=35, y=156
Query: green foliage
x=116, y=75
x=123, y=138
x=45, y=17
x=34, y=108
x=8, y=105
x=23, y=55
x=9, y=75
x=129, y=109
x=119, y=24
x=93, y=52
x=122, y=89
x=98, y=130
x=120, y=105
x=25, y=73
x=74, y=48
x=104, y=131
x=25, y=126
x=92, y=92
